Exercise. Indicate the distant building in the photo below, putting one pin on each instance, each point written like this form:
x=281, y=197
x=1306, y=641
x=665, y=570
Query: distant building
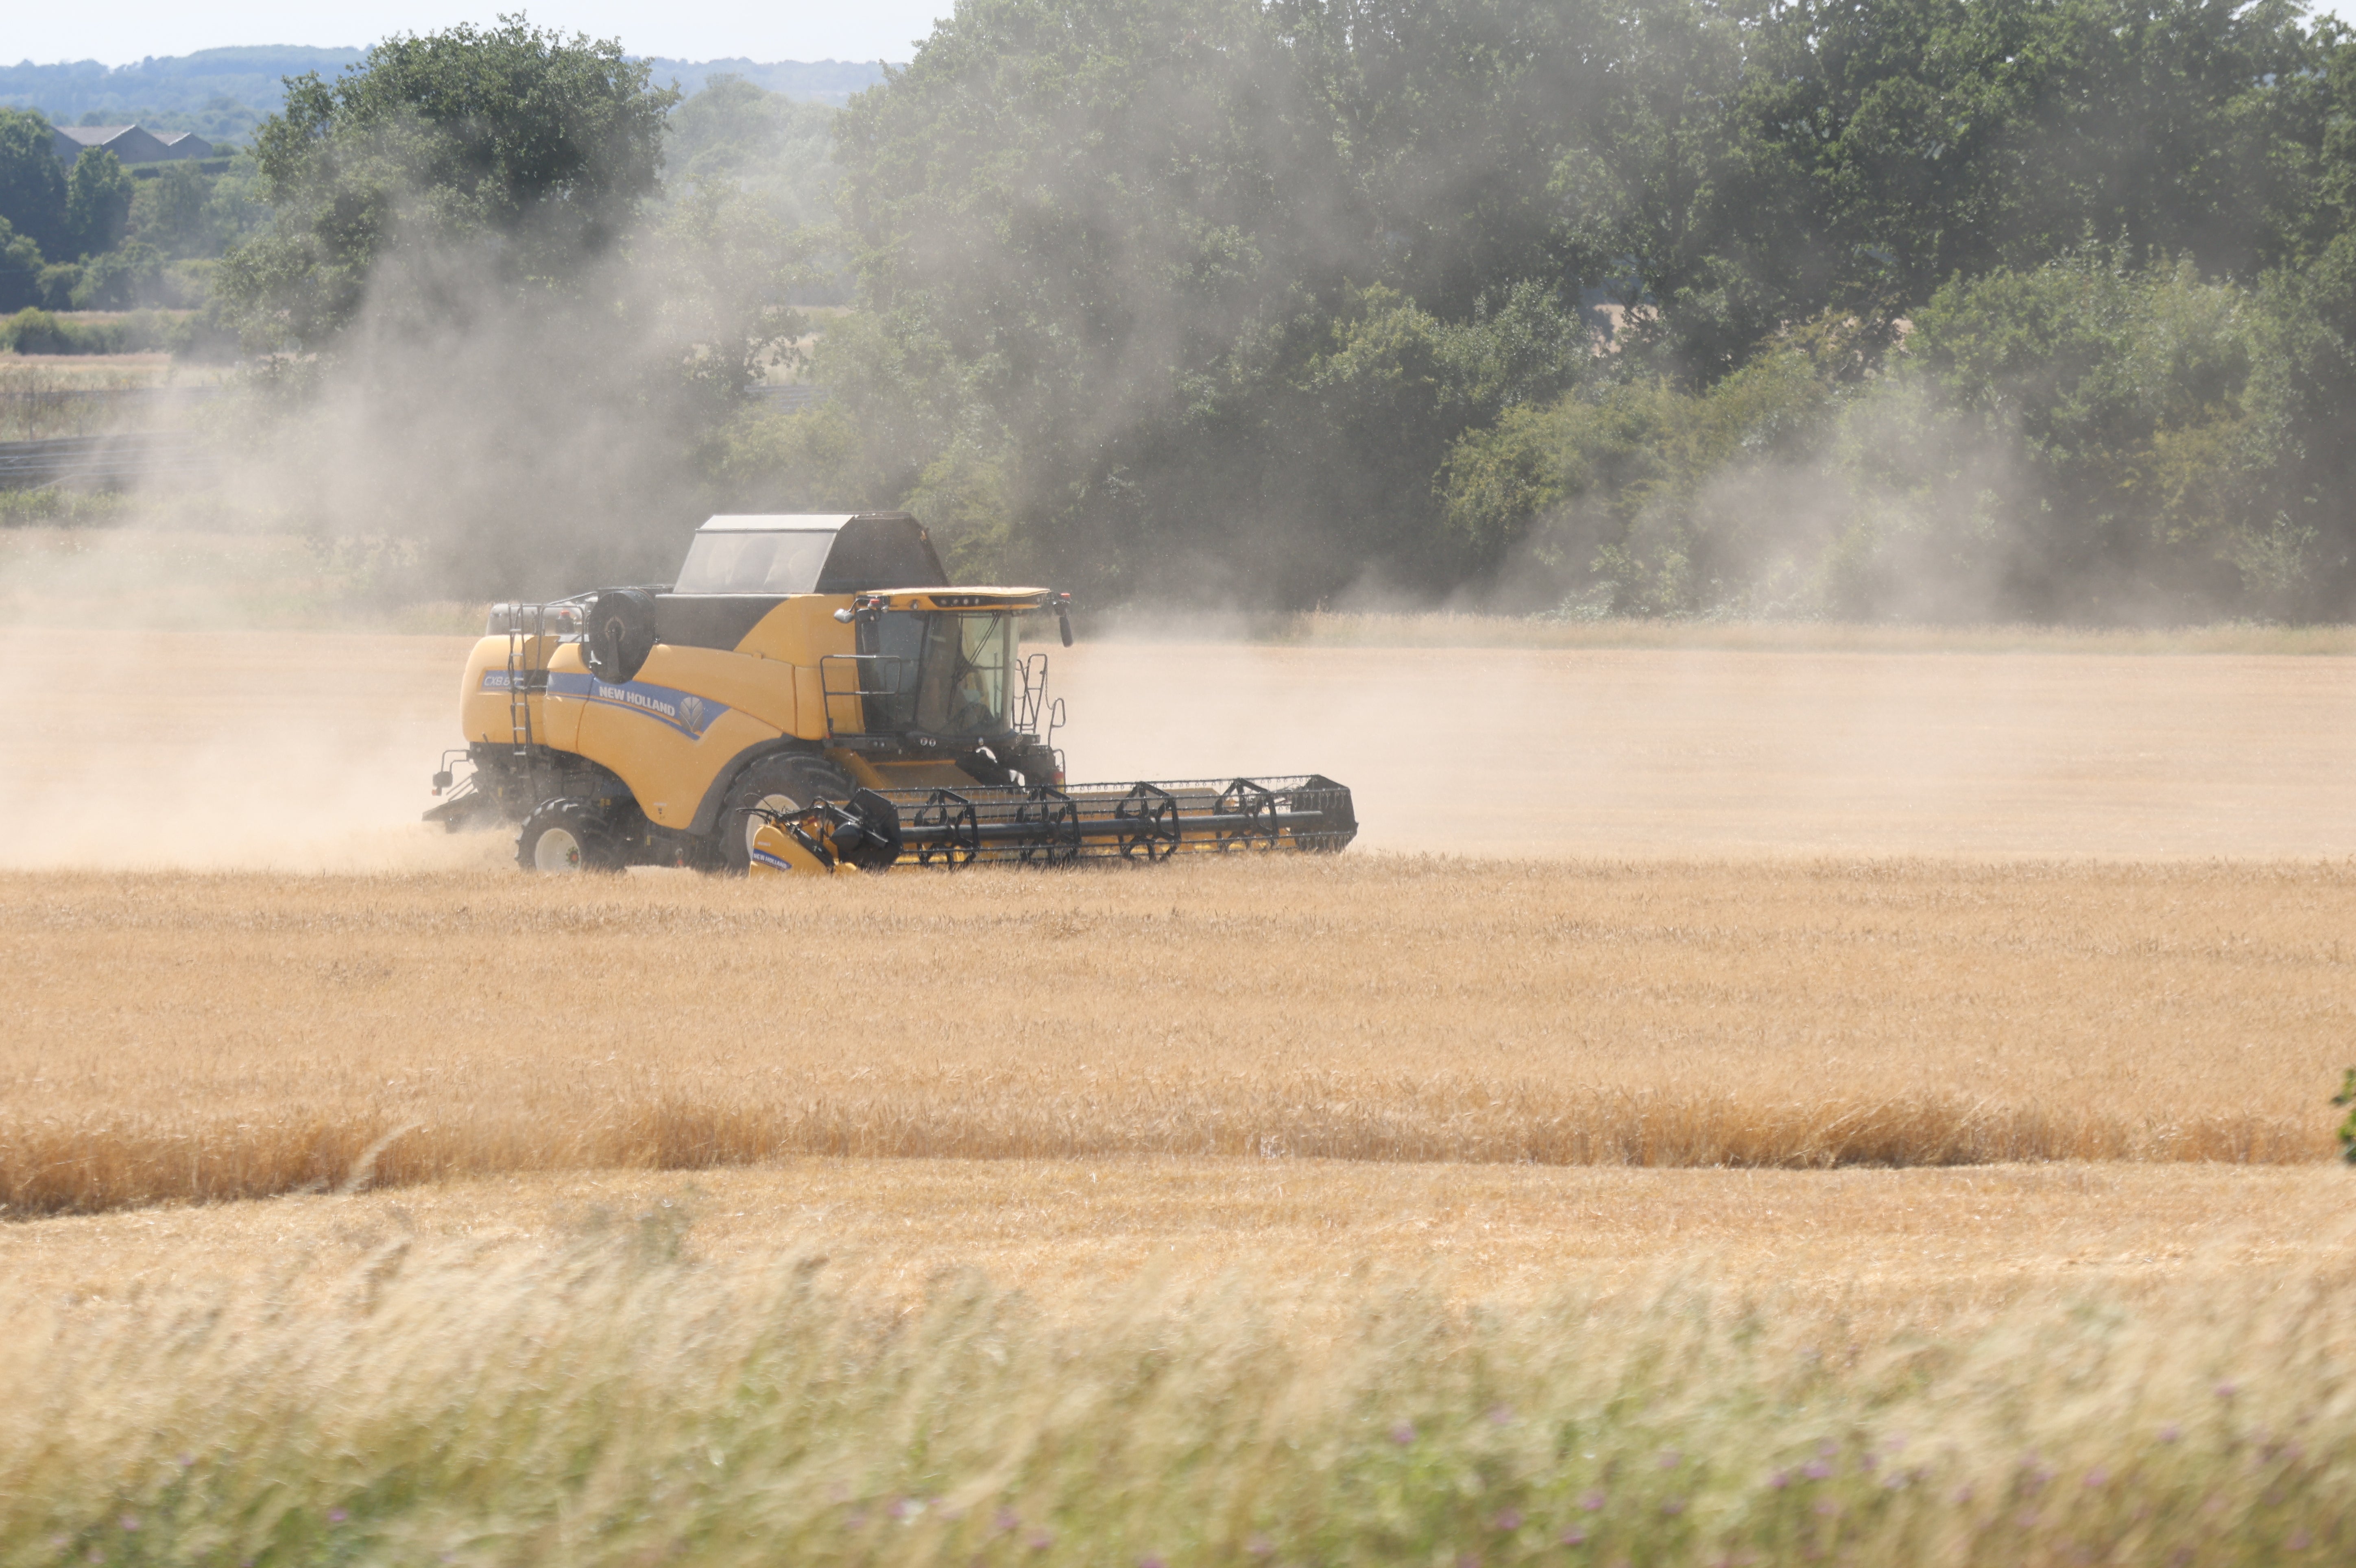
x=130, y=144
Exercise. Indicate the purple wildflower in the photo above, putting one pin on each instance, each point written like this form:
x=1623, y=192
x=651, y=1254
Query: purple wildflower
x=1593, y=1503
x=1151, y=1559
x=2169, y=1433
x=1816, y=1469
x=131, y=1522
x=1575, y=1536
x=1673, y=1507
x=337, y=1516
x=2098, y=1477
x=1501, y=1416
x=2299, y=1540
x=1508, y=1520
x=1780, y=1479
x=2227, y=1389
x=1260, y=1546
x=1671, y=1459
x=1007, y=1520
x=1403, y=1434
x=1041, y=1540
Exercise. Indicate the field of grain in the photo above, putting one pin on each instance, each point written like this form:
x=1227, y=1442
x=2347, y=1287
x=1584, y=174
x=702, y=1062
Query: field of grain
x=1794, y=908
x=1773, y=1102
x=239, y=1035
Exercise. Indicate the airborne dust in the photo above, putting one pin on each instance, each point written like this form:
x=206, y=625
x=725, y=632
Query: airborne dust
x=310, y=750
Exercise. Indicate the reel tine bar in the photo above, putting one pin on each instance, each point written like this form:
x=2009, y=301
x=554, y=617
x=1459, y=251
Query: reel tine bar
x=1148, y=821
x=1150, y=813
x=1056, y=817
x=946, y=826
x=1256, y=805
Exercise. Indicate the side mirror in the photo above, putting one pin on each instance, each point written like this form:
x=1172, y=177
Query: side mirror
x=1064, y=617
x=441, y=781
x=845, y=616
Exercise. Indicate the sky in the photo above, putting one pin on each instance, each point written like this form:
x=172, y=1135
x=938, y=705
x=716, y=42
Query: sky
x=121, y=31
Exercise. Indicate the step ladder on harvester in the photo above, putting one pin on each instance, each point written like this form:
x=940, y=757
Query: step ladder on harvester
x=533, y=632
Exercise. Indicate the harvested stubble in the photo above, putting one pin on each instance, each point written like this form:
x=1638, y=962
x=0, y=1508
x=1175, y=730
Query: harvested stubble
x=620, y=1402
x=181, y=1037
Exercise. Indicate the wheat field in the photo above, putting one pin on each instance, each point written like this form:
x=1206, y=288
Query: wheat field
x=235, y=1036
x=1801, y=1100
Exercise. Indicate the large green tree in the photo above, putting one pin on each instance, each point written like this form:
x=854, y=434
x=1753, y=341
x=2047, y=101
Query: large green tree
x=98, y=203
x=506, y=341
x=529, y=153
x=1176, y=297
x=32, y=183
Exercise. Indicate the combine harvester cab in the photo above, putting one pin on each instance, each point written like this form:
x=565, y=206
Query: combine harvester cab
x=812, y=695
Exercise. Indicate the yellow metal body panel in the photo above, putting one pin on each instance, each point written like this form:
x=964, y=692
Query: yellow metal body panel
x=796, y=636
x=484, y=713
x=802, y=631
x=900, y=776
x=556, y=717
x=777, y=853
x=690, y=711
x=758, y=688
x=653, y=734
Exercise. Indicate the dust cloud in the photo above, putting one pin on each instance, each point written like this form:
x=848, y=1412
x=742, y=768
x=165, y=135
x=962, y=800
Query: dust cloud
x=311, y=750
x=1670, y=753
x=219, y=751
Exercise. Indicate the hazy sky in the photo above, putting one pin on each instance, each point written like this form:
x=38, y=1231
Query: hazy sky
x=121, y=31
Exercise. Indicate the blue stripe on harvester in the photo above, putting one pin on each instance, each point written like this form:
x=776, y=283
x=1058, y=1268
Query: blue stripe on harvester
x=682, y=711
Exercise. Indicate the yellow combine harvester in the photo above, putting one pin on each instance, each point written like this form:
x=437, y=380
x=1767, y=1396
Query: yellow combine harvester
x=813, y=694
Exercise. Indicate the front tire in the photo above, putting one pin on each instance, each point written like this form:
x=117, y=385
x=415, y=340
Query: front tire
x=782, y=783
x=563, y=837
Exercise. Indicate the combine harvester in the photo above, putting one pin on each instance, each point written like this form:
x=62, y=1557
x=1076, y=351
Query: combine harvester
x=812, y=695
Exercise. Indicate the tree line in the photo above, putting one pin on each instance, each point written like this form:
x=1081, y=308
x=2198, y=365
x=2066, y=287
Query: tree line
x=2036, y=309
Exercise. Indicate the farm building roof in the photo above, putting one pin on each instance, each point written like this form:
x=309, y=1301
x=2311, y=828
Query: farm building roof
x=132, y=143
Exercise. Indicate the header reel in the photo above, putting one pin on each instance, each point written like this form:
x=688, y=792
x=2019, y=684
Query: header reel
x=1043, y=825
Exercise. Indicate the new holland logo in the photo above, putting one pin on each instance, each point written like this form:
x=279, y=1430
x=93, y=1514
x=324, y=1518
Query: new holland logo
x=688, y=714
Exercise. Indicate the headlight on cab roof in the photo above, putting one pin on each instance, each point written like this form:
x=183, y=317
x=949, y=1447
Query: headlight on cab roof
x=535, y=620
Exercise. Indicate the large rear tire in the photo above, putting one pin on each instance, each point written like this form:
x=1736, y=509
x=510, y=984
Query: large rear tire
x=565, y=836
x=784, y=783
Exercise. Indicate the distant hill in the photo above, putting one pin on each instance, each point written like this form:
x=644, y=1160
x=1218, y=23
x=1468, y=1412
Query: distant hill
x=217, y=94
x=221, y=93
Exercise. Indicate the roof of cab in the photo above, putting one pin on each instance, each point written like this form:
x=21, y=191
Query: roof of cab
x=792, y=522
